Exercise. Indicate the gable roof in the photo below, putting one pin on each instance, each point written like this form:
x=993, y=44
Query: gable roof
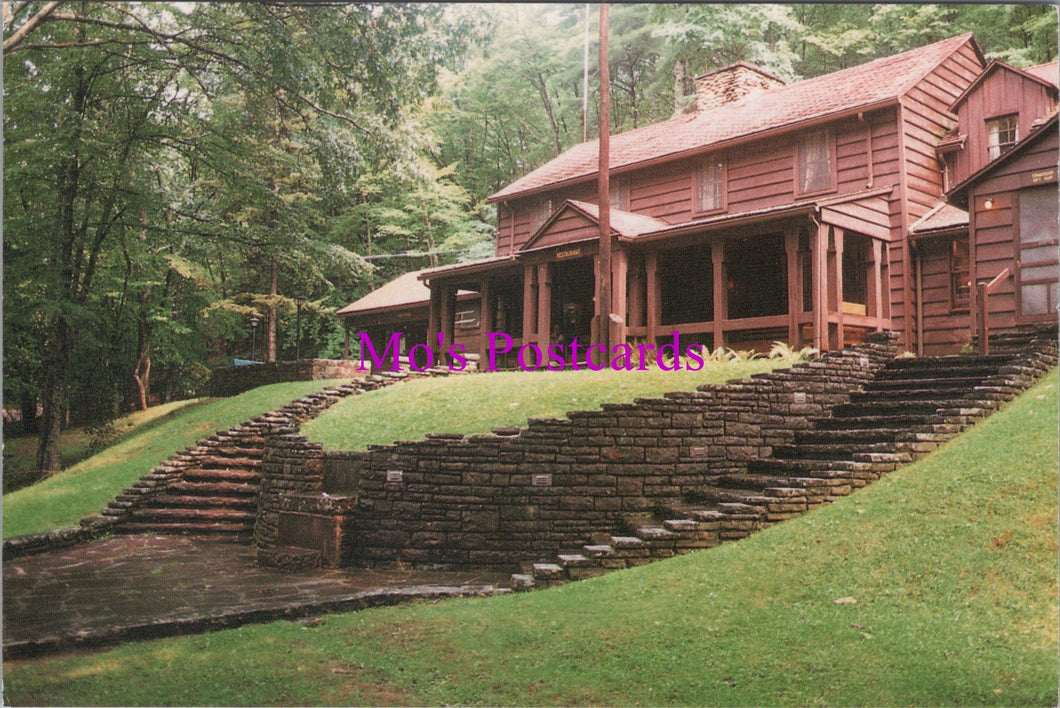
x=1049, y=124
x=1049, y=71
x=402, y=291
x=942, y=219
x=875, y=84
x=623, y=224
x=1038, y=74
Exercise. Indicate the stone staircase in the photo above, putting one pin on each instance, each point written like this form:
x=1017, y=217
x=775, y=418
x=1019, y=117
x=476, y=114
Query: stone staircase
x=211, y=488
x=911, y=407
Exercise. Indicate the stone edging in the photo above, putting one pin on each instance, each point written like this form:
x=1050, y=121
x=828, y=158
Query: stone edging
x=378, y=597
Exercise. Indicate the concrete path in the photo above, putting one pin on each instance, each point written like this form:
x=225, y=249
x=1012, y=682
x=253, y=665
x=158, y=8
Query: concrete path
x=134, y=587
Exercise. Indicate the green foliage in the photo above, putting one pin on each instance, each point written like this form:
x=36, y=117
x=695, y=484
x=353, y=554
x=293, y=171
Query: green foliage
x=950, y=564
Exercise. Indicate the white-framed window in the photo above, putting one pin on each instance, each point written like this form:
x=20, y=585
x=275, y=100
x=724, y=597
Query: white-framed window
x=815, y=162
x=466, y=319
x=709, y=184
x=1037, y=264
x=1001, y=134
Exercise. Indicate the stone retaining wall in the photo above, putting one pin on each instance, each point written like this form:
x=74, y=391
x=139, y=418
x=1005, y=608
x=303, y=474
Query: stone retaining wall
x=514, y=495
x=232, y=380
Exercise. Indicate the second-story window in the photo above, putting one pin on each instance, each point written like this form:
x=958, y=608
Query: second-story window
x=540, y=212
x=1001, y=134
x=815, y=162
x=709, y=185
x=619, y=191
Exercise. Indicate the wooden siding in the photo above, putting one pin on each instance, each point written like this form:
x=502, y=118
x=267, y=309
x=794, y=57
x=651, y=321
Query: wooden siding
x=946, y=329
x=925, y=118
x=569, y=227
x=1003, y=92
x=758, y=175
x=995, y=234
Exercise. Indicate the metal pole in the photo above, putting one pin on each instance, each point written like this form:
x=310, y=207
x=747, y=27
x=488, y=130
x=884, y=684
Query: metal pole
x=254, y=338
x=603, y=275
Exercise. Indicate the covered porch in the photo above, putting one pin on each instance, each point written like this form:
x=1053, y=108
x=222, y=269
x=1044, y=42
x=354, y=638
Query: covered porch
x=812, y=274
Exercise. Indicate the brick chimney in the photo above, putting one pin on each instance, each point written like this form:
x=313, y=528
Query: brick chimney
x=731, y=83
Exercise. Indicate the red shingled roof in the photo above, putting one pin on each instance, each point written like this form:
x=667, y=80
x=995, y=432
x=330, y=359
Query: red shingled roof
x=1047, y=72
x=403, y=290
x=876, y=83
x=943, y=217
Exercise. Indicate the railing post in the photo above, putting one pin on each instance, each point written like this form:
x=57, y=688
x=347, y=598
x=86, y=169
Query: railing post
x=984, y=329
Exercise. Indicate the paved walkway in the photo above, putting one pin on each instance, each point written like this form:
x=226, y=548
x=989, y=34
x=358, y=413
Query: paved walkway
x=132, y=587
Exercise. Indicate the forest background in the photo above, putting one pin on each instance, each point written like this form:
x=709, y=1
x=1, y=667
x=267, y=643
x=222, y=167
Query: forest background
x=173, y=171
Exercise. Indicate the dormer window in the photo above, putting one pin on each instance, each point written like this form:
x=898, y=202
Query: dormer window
x=1001, y=134
x=815, y=162
x=709, y=185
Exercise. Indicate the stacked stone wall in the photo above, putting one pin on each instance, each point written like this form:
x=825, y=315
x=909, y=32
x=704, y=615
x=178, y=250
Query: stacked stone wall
x=232, y=380
x=516, y=494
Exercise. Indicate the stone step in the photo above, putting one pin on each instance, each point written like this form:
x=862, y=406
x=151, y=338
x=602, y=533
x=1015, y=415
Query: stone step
x=233, y=448
x=868, y=422
x=924, y=384
x=859, y=436
x=238, y=530
x=220, y=462
x=192, y=516
x=224, y=489
x=876, y=408
x=947, y=363
x=834, y=486
x=830, y=451
x=910, y=395
x=231, y=476
x=199, y=502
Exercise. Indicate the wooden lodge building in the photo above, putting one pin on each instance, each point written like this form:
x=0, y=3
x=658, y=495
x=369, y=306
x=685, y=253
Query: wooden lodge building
x=875, y=198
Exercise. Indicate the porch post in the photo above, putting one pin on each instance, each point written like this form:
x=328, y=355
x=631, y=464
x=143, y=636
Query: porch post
x=529, y=303
x=791, y=250
x=485, y=319
x=619, y=270
x=876, y=284
x=819, y=271
x=346, y=340
x=446, y=325
x=721, y=293
x=434, y=317
x=837, y=285
x=635, y=308
x=651, y=320
x=544, y=305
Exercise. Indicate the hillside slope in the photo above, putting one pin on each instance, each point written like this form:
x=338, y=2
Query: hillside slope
x=936, y=585
x=63, y=499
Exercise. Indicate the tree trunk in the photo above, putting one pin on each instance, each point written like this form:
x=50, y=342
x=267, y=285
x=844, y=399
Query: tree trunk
x=270, y=348
x=53, y=397
x=28, y=405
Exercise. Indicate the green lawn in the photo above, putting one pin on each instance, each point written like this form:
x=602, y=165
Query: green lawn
x=20, y=451
x=949, y=566
x=84, y=489
x=476, y=404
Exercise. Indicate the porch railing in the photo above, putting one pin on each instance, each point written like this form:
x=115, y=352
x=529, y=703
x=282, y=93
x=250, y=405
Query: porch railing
x=983, y=291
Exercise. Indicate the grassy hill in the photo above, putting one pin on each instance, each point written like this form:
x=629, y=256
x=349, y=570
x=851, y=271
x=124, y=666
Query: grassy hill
x=935, y=586
x=63, y=499
x=476, y=404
